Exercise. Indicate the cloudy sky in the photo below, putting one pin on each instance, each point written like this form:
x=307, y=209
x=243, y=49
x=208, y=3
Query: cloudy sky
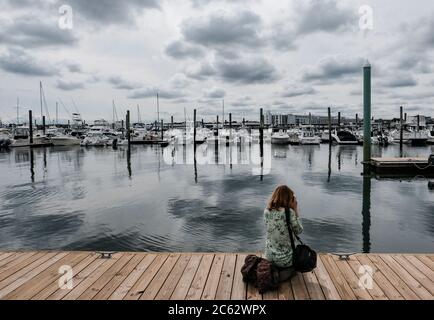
x=294, y=56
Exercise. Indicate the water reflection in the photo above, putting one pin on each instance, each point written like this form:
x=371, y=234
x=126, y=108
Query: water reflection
x=200, y=205
x=366, y=213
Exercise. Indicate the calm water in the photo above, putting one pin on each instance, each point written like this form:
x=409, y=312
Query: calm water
x=105, y=199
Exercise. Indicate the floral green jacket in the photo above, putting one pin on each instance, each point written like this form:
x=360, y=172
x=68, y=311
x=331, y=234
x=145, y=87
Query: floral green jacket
x=278, y=244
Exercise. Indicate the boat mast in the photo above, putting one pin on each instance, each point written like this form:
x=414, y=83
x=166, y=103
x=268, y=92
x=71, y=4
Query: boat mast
x=40, y=98
x=18, y=111
x=57, y=113
x=223, y=125
x=158, y=110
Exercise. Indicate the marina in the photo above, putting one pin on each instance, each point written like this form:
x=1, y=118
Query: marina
x=207, y=276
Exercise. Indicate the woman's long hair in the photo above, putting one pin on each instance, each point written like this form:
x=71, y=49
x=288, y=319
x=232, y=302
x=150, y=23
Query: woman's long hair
x=281, y=198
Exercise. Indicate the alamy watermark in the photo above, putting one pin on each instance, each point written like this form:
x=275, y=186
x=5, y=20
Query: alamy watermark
x=66, y=19
x=66, y=281
x=366, y=279
x=366, y=21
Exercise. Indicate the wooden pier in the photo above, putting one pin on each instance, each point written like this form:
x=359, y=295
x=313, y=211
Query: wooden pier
x=208, y=276
x=402, y=167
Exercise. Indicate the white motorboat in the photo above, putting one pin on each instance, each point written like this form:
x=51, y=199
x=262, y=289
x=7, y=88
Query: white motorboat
x=65, y=140
x=280, y=137
x=308, y=136
x=96, y=140
x=21, y=138
x=5, y=139
x=410, y=136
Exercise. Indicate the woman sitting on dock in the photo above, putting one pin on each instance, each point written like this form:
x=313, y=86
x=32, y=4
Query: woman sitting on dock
x=278, y=244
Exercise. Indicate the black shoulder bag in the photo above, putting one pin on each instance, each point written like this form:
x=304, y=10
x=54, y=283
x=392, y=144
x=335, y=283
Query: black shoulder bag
x=303, y=257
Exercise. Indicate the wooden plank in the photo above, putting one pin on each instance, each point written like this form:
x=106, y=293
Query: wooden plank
x=427, y=261
x=46, y=277
x=11, y=256
x=132, y=278
x=78, y=278
x=154, y=287
x=407, y=278
x=213, y=280
x=200, y=278
x=416, y=273
x=24, y=275
x=325, y=281
x=4, y=255
x=380, y=279
x=184, y=283
x=105, y=278
x=17, y=259
x=224, y=289
x=352, y=279
x=54, y=286
x=284, y=292
x=91, y=278
x=17, y=265
x=338, y=279
x=394, y=279
x=172, y=280
x=313, y=286
x=118, y=278
x=145, y=279
x=239, y=288
x=376, y=292
x=299, y=287
x=420, y=266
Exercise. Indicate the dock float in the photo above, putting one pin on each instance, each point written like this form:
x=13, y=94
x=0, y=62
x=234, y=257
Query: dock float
x=402, y=167
x=207, y=276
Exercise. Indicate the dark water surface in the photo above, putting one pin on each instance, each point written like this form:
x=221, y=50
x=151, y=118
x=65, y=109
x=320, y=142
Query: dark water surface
x=104, y=199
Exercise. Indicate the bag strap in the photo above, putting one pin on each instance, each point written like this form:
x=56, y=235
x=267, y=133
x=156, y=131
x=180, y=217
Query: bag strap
x=291, y=234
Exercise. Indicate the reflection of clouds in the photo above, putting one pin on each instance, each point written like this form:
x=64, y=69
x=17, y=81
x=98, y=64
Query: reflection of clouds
x=215, y=228
x=331, y=234
x=338, y=183
x=30, y=231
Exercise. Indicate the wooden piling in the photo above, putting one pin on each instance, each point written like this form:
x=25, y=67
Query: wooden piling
x=194, y=130
x=401, y=129
x=261, y=132
x=339, y=121
x=171, y=122
x=43, y=125
x=162, y=129
x=367, y=142
x=30, y=127
x=330, y=125
x=127, y=122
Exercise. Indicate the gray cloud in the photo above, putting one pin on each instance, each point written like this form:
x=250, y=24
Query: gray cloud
x=17, y=61
x=332, y=68
x=31, y=32
x=181, y=50
x=69, y=85
x=120, y=83
x=200, y=71
x=110, y=12
x=323, y=16
x=215, y=93
x=246, y=70
x=149, y=92
x=73, y=67
x=238, y=28
x=295, y=91
x=400, y=81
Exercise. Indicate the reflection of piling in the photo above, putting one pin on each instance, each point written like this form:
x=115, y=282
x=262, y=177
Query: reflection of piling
x=30, y=127
x=401, y=129
x=261, y=133
x=330, y=125
x=43, y=125
x=367, y=117
x=366, y=213
x=127, y=122
x=32, y=165
x=194, y=130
